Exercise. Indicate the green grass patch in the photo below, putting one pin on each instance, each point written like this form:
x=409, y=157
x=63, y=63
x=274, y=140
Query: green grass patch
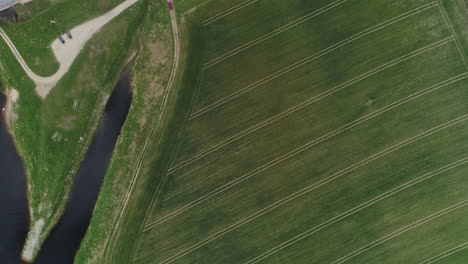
x=105, y=242
x=34, y=36
x=51, y=165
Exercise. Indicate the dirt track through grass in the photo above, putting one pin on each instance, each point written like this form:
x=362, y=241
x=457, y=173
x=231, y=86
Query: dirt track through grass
x=162, y=115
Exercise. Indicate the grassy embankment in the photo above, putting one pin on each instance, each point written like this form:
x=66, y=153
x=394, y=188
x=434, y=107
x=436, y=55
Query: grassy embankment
x=329, y=133
x=147, y=124
x=51, y=165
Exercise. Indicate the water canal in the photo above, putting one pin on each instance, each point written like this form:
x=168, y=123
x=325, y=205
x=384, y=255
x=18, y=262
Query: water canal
x=14, y=217
x=62, y=244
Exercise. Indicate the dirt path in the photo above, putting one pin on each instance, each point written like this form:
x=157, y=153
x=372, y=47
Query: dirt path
x=149, y=141
x=161, y=117
x=66, y=53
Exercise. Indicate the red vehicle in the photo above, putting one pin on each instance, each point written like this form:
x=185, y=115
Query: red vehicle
x=171, y=6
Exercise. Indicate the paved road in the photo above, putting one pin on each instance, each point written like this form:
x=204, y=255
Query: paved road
x=66, y=53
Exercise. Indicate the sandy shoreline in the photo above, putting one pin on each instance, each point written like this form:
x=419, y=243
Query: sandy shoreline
x=8, y=112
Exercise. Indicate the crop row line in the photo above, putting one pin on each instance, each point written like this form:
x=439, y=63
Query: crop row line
x=274, y=33
x=312, y=187
x=300, y=150
x=305, y=103
x=310, y=58
x=446, y=253
x=227, y=12
x=454, y=33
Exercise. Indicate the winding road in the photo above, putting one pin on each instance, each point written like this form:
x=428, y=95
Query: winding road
x=66, y=53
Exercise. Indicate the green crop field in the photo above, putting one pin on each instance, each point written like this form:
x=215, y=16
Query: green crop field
x=320, y=132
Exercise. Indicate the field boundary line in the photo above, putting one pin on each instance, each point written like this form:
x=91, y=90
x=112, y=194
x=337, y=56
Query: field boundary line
x=301, y=149
x=151, y=138
x=446, y=253
x=310, y=58
x=275, y=32
x=308, y=189
x=155, y=197
x=402, y=230
x=357, y=209
x=306, y=103
x=200, y=77
x=454, y=33
x=227, y=12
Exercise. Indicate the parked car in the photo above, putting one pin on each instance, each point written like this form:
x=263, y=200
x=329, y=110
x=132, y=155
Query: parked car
x=69, y=35
x=170, y=4
x=61, y=39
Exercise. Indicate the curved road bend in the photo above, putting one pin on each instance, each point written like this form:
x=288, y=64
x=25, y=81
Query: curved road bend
x=66, y=53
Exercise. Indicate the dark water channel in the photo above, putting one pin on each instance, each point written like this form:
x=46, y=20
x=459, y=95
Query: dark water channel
x=14, y=214
x=61, y=246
